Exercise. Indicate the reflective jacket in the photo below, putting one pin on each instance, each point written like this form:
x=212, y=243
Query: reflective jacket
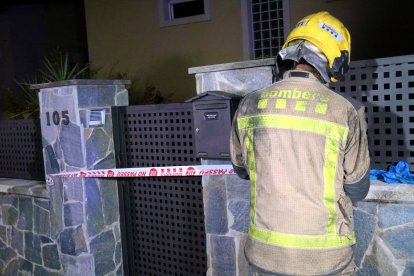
x=305, y=150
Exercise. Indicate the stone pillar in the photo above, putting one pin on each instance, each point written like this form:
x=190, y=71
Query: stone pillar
x=76, y=124
x=227, y=197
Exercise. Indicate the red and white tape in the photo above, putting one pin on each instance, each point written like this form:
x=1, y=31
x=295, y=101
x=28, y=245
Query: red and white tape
x=199, y=170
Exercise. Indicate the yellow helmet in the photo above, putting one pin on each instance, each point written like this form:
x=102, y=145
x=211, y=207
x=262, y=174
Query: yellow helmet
x=330, y=36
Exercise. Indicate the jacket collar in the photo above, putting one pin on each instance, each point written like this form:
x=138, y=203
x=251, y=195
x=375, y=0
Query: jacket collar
x=299, y=74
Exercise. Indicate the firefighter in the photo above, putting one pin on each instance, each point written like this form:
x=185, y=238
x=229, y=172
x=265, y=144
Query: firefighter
x=304, y=148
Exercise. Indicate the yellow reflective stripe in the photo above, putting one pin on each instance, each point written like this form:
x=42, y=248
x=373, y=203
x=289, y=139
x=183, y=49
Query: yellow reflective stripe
x=252, y=168
x=301, y=241
x=335, y=134
x=329, y=172
x=295, y=123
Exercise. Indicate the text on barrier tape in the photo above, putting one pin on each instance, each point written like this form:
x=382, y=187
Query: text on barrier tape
x=199, y=170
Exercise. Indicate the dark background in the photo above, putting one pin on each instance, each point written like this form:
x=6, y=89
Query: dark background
x=30, y=30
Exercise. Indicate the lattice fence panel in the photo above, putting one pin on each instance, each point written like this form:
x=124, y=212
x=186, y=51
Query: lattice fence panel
x=21, y=150
x=165, y=214
x=386, y=88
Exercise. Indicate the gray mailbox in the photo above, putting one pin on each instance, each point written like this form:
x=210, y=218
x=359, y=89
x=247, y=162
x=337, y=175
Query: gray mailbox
x=213, y=113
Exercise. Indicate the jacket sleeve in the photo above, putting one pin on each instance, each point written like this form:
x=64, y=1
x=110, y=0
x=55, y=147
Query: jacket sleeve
x=236, y=151
x=357, y=160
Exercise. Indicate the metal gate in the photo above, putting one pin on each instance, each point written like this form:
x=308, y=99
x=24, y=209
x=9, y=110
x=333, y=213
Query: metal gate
x=21, y=149
x=163, y=224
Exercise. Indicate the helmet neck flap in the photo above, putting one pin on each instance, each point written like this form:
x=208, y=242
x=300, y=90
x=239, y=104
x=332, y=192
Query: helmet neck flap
x=302, y=49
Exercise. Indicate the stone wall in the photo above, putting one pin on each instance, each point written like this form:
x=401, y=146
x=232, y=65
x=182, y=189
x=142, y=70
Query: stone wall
x=384, y=228
x=73, y=226
x=226, y=211
x=26, y=246
x=30, y=244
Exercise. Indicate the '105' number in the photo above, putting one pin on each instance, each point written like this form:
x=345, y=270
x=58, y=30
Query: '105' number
x=56, y=117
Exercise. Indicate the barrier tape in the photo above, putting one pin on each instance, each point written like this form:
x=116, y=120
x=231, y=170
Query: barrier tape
x=198, y=170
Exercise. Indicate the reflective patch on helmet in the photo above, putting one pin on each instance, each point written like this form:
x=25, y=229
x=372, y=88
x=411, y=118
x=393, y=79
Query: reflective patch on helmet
x=302, y=23
x=331, y=30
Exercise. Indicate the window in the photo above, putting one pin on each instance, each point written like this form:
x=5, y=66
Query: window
x=175, y=12
x=268, y=24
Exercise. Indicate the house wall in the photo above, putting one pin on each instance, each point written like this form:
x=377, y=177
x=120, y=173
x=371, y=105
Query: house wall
x=125, y=36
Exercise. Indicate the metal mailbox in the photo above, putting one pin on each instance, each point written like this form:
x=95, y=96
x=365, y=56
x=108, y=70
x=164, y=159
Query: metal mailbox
x=213, y=112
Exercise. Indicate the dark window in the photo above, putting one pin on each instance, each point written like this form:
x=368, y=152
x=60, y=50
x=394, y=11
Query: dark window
x=176, y=12
x=186, y=9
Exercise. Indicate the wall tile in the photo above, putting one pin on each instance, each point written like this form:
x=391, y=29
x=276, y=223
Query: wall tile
x=401, y=241
x=33, y=248
x=71, y=144
x=41, y=221
x=364, y=231
x=216, y=211
x=51, y=256
x=94, y=213
x=26, y=213
x=9, y=214
x=103, y=249
x=387, y=217
x=223, y=256
x=72, y=241
x=240, y=211
x=73, y=213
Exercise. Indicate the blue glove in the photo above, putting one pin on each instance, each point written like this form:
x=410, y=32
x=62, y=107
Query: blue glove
x=399, y=173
